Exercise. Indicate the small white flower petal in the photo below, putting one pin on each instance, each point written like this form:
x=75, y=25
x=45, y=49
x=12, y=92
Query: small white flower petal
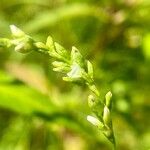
x=16, y=32
x=95, y=121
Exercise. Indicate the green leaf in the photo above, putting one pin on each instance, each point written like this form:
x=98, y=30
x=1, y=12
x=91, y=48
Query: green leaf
x=90, y=69
x=50, y=18
x=24, y=100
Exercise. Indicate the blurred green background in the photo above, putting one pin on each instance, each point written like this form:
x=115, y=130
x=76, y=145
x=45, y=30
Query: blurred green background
x=39, y=111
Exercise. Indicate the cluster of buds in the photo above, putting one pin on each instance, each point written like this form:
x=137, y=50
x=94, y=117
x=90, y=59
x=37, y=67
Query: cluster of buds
x=103, y=119
x=23, y=43
x=73, y=65
x=76, y=69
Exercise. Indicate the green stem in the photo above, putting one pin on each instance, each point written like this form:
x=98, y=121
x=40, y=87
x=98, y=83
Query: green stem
x=79, y=70
x=114, y=146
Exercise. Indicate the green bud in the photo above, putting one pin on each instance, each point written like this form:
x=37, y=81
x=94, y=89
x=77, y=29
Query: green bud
x=106, y=116
x=76, y=56
x=58, y=64
x=95, y=122
x=91, y=101
x=60, y=67
x=40, y=45
x=90, y=69
x=5, y=42
x=50, y=43
x=68, y=79
x=60, y=50
x=16, y=32
x=24, y=45
x=93, y=89
x=108, y=97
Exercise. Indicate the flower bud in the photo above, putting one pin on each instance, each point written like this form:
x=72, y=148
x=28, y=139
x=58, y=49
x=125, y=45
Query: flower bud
x=108, y=99
x=60, y=50
x=93, y=89
x=106, y=116
x=40, y=45
x=24, y=45
x=16, y=32
x=5, y=42
x=60, y=67
x=58, y=64
x=91, y=101
x=63, y=69
x=95, y=122
x=90, y=69
x=68, y=79
x=50, y=43
x=76, y=57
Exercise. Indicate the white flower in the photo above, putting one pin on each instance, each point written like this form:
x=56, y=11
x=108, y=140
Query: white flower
x=95, y=121
x=76, y=72
x=16, y=32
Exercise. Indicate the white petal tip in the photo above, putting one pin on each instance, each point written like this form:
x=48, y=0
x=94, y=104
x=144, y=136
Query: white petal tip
x=16, y=31
x=93, y=120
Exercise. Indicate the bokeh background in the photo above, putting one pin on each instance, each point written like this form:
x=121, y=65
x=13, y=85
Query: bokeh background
x=39, y=111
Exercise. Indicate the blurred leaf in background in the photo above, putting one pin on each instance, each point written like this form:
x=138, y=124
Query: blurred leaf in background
x=40, y=111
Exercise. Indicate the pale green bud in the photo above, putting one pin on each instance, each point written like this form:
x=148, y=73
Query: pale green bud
x=91, y=101
x=40, y=45
x=16, y=32
x=50, y=43
x=60, y=50
x=58, y=64
x=63, y=69
x=93, y=89
x=95, y=122
x=23, y=42
x=24, y=45
x=5, y=42
x=108, y=97
x=68, y=79
x=90, y=69
x=60, y=67
x=76, y=56
x=106, y=116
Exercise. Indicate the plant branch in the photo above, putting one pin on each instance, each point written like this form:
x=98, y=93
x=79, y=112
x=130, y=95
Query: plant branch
x=75, y=68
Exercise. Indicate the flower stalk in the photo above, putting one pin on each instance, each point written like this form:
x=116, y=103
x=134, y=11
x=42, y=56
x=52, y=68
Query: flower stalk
x=75, y=68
